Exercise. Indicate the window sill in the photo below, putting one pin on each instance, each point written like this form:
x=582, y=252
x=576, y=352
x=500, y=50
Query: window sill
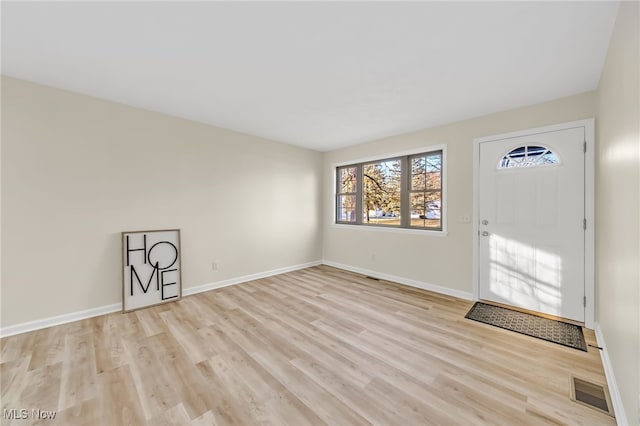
x=388, y=229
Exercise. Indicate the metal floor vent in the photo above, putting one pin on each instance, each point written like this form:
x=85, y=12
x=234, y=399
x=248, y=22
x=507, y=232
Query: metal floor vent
x=591, y=394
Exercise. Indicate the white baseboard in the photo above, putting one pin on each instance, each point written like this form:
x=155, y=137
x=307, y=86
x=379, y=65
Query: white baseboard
x=401, y=280
x=616, y=398
x=245, y=278
x=107, y=309
x=58, y=320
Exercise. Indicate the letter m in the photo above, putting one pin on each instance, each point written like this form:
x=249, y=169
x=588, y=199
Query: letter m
x=144, y=289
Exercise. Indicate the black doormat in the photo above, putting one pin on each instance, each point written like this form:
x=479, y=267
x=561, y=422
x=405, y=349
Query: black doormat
x=558, y=332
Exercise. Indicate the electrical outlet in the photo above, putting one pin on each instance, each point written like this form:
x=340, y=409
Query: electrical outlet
x=373, y=257
x=214, y=266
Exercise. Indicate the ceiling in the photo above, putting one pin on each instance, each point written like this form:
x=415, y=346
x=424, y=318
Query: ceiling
x=321, y=75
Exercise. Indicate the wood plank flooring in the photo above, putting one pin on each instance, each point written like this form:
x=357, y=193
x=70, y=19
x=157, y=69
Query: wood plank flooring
x=311, y=347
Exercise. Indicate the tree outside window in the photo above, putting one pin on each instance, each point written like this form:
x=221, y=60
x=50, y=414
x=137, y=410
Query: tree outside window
x=403, y=192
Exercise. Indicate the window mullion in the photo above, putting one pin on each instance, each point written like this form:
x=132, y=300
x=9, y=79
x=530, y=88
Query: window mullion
x=405, y=175
x=359, y=193
x=338, y=192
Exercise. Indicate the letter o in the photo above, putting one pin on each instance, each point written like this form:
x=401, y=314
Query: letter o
x=175, y=257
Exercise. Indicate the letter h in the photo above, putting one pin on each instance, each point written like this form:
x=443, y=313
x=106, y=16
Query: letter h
x=143, y=249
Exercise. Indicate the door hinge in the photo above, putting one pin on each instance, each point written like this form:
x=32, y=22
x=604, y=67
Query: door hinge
x=584, y=224
x=585, y=146
x=584, y=301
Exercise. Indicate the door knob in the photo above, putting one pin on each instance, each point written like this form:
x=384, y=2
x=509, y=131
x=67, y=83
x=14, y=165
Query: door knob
x=485, y=234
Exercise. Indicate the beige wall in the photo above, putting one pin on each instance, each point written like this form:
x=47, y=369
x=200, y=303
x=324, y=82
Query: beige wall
x=77, y=171
x=618, y=206
x=441, y=261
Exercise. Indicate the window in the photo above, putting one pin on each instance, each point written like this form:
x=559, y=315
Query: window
x=425, y=192
x=347, y=185
x=401, y=192
x=381, y=193
x=528, y=156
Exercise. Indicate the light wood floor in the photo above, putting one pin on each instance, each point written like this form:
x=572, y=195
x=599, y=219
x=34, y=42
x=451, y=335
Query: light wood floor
x=316, y=346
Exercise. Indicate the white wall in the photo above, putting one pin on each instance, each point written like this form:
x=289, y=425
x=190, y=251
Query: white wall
x=440, y=261
x=618, y=206
x=77, y=171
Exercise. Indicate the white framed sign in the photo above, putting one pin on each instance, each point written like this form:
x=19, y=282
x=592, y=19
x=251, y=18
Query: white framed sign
x=151, y=271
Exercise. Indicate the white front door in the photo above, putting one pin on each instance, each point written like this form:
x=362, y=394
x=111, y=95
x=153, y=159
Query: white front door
x=531, y=209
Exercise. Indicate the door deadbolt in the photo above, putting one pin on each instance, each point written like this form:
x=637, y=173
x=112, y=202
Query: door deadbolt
x=485, y=222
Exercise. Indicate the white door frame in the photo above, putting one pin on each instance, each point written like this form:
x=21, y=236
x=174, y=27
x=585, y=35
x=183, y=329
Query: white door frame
x=589, y=199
